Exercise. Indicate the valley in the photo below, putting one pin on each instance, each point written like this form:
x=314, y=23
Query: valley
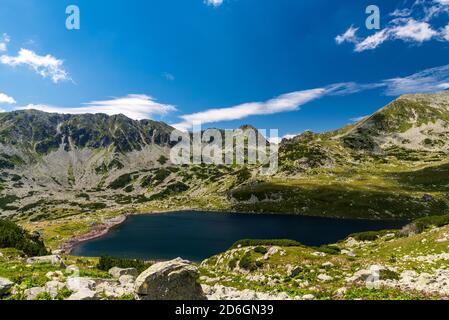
x=69, y=177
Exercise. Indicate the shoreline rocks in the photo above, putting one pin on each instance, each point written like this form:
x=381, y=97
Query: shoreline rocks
x=97, y=232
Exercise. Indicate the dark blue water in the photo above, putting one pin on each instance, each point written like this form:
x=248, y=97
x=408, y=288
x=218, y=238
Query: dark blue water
x=196, y=236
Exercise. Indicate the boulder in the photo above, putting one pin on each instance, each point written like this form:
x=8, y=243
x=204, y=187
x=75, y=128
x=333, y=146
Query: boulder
x=114, y=290
x=293, y=271
x=5, y=285
x=77, y=283
x=218, y=292
x=118, y=272
x=171, y=280
x=53, y=287
x=83, y=294
x=126, y=280
x=54, y=260
x=31, y=294
x=324, y=277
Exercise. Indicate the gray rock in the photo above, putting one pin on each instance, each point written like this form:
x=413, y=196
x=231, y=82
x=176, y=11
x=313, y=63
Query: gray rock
x=118, y=272
x=31, y=294
x=83, y=294
x=324, y=277
x=54, y=260
x=53, y=287
x=114, y=290
x=76, y=284
x=293, y=271
x=171, y=280
x=218, y=292
x=5, y=285
x=126, y=279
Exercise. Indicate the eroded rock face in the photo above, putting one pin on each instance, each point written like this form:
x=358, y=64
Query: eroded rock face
x=172, y=280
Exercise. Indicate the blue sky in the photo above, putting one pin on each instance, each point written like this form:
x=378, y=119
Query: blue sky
x=286, y=64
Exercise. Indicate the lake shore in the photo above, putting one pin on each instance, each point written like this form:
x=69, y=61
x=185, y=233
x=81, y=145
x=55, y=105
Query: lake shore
x=97, y=232
x=218, y=231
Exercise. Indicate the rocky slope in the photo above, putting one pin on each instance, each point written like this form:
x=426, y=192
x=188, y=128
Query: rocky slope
x=413, y=122
x=54, y=166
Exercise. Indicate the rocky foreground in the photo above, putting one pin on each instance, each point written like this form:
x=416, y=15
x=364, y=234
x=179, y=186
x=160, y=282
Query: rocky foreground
x=384, y=265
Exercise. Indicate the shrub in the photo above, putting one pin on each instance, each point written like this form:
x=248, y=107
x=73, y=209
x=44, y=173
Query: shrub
x=63, y=294
x=370, y=235
x=261, y=250
x=13, y=236
x=44, y=296
x=121, y=181
x=329, y=249
x=107, y=263
x=129, y=188
x=275, y=242
x=437, y=221
x=162, y=160
x=389, y=275
x=248, y=263
x=6, y=200
x=232, y=263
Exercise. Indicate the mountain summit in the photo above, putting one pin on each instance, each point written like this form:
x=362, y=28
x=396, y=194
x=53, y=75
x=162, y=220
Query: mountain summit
x=414, y=122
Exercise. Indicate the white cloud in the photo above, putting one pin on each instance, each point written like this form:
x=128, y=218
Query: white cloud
x=445, y=32
x=349, y=36
x=283, y=103
x=214, y=3
x=6, y=99
x=134, y=106
x=2, y=110
x=401, y=12
x=373, y=41
x=429, y=80
x=46, y=66
x=4, y=40
x=414, y=31
x=415, y=24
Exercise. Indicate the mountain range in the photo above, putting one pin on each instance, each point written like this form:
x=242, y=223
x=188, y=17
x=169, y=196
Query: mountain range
x=391, y=164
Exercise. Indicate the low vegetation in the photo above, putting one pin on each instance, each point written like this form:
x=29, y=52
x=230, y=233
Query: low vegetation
x=13, y=236
x=105, y=263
